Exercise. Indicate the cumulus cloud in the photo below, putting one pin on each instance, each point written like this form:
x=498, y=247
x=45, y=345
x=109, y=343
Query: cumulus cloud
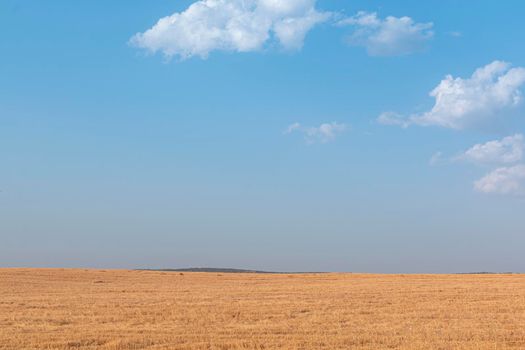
x=505, y=151
x=325, y=132
x=231, y=25
x=505, y=180
x=462, y=103
x=392, y=36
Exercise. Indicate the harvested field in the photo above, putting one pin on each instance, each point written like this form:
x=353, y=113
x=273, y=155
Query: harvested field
x=121, y=310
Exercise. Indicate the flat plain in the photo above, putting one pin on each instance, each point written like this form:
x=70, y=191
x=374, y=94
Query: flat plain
x=122, y=310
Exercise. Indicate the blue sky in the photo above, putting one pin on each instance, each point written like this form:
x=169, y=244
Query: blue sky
x=263, y=134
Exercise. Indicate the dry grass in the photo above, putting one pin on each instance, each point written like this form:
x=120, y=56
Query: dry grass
x=81, y=309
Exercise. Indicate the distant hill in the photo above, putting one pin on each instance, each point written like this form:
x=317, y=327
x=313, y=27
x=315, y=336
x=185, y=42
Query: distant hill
x=222, y=270
x=213, y=269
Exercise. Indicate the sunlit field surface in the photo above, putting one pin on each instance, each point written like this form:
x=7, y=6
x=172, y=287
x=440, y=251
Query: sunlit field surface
x=93, y=309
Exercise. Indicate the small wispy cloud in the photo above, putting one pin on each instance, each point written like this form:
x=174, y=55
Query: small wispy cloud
x=503, y=181
x=323, y=133
x=436, y=159
x=393, y=118
x=508, y=150
x=392, y=36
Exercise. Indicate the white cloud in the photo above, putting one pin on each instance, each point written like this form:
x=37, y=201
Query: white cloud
x=461, y=103
x=231, y=25
x=506, y=180
x=325, y=132
x=505, y=151
x=391, y=36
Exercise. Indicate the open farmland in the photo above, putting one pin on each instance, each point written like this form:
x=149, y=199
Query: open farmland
x=95, y=309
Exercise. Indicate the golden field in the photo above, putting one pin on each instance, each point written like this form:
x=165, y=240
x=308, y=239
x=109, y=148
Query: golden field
x=96, y=309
